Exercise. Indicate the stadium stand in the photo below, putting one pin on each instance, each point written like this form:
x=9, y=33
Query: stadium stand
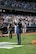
x=28, y=22
x=28, y=19
x=19, y=4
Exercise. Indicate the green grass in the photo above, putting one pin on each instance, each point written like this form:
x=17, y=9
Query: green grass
x=28, y=48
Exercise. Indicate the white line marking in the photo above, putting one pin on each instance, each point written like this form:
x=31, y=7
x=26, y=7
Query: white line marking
x=9, y=45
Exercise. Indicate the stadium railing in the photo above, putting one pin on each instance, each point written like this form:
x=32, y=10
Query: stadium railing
x=17, y=9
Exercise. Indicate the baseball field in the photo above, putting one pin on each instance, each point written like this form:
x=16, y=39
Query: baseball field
x=9, y=46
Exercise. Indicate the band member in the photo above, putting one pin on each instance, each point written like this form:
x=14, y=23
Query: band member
x=18, y=31
x=10, y=28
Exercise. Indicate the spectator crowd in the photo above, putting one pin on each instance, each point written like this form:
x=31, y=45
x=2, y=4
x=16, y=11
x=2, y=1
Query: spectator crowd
x=19, y=4
x=25, y=20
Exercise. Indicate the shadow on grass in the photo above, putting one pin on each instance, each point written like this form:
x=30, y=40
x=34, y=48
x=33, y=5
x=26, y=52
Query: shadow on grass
x=27, y=44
